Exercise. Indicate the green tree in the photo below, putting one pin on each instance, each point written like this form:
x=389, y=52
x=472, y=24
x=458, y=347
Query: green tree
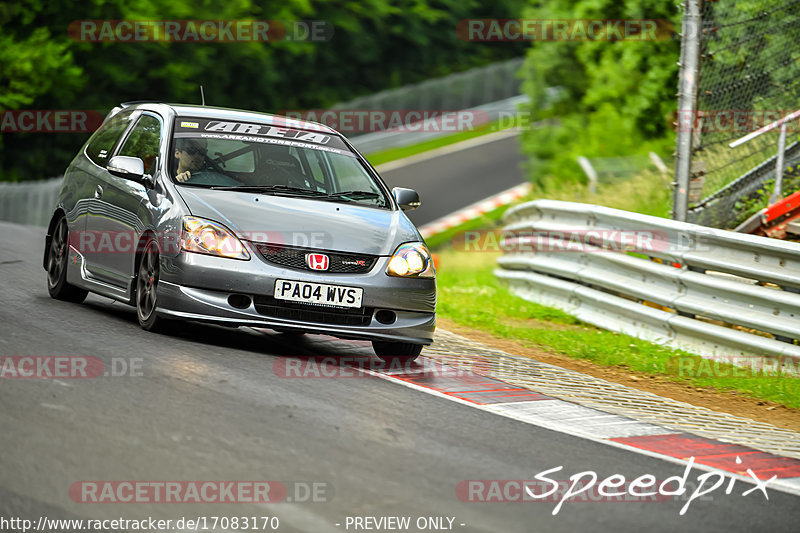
x=610, y=98
x=376, y=45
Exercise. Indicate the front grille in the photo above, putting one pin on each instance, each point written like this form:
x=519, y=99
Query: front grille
x=269, y=306
x=294, y=257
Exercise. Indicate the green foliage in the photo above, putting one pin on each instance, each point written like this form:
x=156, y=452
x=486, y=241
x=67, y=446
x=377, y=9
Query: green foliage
x=613, y=98
x=376, y=45
x=647, y=193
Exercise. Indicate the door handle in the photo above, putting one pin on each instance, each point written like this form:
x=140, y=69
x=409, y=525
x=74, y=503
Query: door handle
x=98, y=192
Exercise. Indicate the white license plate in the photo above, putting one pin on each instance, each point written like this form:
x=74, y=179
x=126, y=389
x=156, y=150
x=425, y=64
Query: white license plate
x=318, y=293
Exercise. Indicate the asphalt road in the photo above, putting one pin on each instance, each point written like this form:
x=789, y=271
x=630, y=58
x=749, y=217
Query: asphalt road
x=208, y=405
x=449, y=182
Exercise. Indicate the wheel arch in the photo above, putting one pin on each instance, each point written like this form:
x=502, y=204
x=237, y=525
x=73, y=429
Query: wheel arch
x=58, y=214
x=143, y=239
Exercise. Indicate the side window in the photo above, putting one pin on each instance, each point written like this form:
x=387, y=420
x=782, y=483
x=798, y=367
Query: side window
x=104, y=139
x=143, y=142
x=349, y=176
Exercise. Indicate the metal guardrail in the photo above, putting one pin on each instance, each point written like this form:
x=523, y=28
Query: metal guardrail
x=29, y=203
x=731, y=294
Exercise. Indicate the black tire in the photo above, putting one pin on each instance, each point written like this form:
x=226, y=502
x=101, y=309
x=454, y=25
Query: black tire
x=402, y=352
x=57, y=265
x=147, y=288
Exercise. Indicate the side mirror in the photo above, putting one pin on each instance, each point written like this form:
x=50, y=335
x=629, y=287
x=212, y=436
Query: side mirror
x=406, y=198
x=131, y=168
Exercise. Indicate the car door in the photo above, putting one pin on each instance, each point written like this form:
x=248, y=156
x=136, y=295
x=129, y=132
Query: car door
x=98, y=152
x=115, y=220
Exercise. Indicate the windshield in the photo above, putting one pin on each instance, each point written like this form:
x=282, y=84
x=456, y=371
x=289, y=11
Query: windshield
x=270, y=160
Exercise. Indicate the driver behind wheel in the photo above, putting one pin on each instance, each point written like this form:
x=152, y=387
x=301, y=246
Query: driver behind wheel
x=190, y=155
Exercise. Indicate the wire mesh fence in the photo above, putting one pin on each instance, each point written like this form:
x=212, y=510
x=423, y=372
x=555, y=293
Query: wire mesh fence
x=613, y=169
x=486, y=94
x=462, y=90
x=749, y=76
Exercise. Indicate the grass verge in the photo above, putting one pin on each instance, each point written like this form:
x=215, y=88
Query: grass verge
x=470, y=295
x=648, y=193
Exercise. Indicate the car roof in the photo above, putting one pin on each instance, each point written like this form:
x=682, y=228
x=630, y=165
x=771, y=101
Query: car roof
x=223, y=113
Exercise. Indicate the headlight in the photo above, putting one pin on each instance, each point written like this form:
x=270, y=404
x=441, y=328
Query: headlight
x=206, y=237
x=411, y=260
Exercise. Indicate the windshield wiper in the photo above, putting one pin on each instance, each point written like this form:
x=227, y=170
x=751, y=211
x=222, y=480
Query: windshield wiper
x=356, y=195
x=267, y=189
x=300, y=191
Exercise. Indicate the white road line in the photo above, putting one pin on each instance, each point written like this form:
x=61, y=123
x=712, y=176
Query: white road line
x=447, y=150
x=789, y=486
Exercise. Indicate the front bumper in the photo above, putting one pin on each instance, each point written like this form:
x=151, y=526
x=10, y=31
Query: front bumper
x=198, y=287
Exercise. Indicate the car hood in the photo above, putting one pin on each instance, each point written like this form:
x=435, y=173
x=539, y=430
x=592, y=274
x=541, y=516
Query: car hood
x=308, y=223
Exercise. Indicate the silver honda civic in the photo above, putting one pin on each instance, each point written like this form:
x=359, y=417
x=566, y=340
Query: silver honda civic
x=241, y=219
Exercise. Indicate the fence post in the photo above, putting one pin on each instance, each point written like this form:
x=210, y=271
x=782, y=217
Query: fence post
x=591, y=173
x=777, y=193
x=687, y=102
